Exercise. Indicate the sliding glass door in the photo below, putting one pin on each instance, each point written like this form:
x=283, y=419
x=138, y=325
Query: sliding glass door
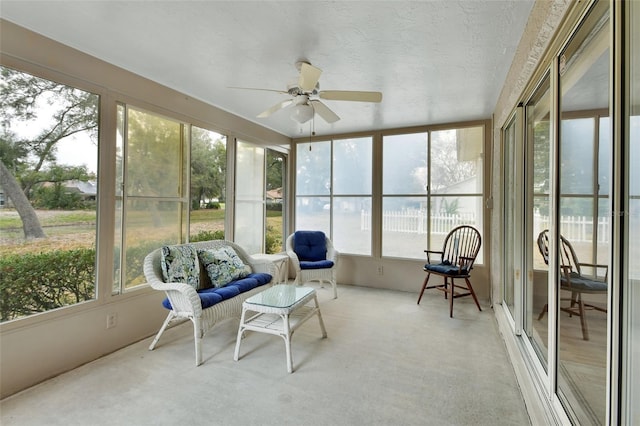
x=537, y=219
x=584, y=208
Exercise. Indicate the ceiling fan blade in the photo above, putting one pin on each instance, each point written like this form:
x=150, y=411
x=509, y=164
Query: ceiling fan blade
x=276, y=107
x=348, y=95
x=309, y=76
x=255, y=88
x=324, y=111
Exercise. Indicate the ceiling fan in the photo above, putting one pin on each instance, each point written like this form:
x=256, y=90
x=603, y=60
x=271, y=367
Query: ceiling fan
x=306, y=94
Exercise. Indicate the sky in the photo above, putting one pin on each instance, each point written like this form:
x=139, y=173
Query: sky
x=76, y=150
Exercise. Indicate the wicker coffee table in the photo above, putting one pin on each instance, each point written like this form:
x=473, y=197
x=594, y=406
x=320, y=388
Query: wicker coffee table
x=279, y=310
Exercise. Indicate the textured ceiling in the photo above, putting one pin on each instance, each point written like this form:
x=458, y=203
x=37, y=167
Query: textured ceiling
x=434, y=61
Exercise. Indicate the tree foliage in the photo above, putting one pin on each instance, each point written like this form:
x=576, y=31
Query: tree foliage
x=275, y=169
x=208, y=167
x=57, y=111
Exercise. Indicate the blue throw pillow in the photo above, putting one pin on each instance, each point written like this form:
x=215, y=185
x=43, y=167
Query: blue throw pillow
x=310, y=245
x=223, y=265
x=179, y=264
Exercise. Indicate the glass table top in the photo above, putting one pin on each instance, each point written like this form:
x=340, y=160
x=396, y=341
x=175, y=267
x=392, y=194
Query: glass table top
x=280, y=296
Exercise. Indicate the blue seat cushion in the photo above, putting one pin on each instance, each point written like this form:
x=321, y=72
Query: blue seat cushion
x=320, y=264
x=581, y=283
x=310, y=245
x=211, y=296
x=445, y=268
x=261, y=277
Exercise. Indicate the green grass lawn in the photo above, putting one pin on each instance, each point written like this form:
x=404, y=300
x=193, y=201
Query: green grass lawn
x=207, y=215
x=51, y=218
x=64, y=224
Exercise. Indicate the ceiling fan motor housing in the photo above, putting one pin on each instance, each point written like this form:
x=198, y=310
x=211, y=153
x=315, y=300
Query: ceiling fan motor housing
x=295, y=90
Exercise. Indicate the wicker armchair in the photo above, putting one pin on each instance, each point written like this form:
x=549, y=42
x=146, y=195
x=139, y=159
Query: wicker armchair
x=185, y=301
x=313, y=268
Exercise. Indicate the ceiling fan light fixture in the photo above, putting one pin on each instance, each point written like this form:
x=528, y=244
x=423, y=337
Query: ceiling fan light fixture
x=302, y=113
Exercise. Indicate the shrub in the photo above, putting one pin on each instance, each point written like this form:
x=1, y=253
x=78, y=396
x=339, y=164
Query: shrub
x=273, y=240
x=56, y=197
x=32, y=283
x=207, y=236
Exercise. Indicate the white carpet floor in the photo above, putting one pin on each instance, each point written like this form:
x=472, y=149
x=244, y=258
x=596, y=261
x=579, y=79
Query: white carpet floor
x=386, y=361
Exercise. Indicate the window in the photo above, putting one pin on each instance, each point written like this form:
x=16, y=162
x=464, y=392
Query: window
x=208, y=185
x=250, y=197
x=260, y=198
x=48, y=173
x=404, y=201
x=432, y=182
x=333, y=191
x=151, y=195
x=276, y=201
x=313, y=186
x=351, y=202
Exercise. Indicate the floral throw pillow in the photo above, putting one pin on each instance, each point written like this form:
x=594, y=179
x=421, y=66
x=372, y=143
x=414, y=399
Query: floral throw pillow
x=180, y=264
x=223, y=265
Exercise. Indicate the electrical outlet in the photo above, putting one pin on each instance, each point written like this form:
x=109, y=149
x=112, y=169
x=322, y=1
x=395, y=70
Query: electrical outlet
x=380, y=270
x=111, y=320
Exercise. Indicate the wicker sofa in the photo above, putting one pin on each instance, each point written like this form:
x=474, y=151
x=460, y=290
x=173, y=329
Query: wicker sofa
x=205, y=305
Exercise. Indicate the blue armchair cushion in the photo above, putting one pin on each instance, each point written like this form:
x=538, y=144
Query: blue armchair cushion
x=310, y=245
x=585, y=284
x=320, y=264
x=211, y=296
x=445, y=268
x=179, y=264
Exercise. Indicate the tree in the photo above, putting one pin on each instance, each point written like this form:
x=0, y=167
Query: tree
x=208, y=166
x=446, y=169
x=23, y=98
x=30, y=223
x=57, y=196
x=275, y=169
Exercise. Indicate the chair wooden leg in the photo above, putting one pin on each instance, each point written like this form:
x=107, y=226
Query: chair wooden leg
x=424, y=285
x=473, y=293
x=544, y=310
x=451, y=298
x=574, y=300
x=446, y=287
x=583, y=319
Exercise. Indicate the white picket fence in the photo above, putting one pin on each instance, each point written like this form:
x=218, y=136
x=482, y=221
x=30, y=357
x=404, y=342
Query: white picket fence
x=414, y=221
x=576, y=228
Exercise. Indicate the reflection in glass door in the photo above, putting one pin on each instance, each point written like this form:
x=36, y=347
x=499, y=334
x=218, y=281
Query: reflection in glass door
x=537, y=180
x=583, y=292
